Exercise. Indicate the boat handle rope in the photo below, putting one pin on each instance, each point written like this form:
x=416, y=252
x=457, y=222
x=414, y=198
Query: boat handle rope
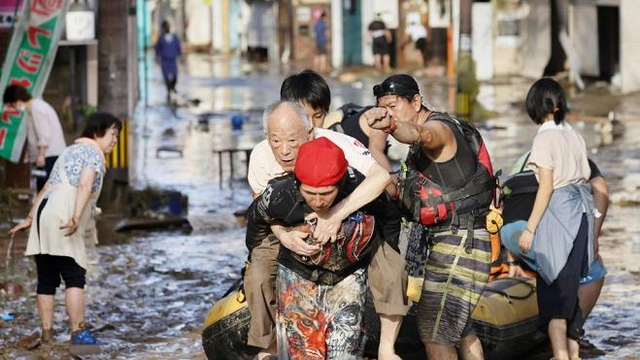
x=239, y=286
x=509, y=298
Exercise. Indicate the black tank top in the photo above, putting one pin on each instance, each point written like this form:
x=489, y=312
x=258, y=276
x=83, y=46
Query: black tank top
x=351, y=127
x=452, y=174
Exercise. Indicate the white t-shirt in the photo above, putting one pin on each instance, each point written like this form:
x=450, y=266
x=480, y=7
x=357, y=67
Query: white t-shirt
x=561, y=149
x=416, y=32
x=44, y=129
x=263, y=165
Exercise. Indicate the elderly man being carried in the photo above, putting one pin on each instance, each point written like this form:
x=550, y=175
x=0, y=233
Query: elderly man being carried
x=287, y=128
x=321, y=293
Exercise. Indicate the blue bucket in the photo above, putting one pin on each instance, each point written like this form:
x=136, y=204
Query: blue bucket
x=175, y=204
x=236, y=121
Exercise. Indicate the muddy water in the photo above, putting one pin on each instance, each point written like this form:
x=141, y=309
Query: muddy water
x=147, y=298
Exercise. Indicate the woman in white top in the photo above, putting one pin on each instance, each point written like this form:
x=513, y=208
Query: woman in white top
x=45, y=138
x=560, y=227
x=59, y=218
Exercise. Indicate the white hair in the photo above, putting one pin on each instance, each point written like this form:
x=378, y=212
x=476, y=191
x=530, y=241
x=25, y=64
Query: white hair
x=300, y=111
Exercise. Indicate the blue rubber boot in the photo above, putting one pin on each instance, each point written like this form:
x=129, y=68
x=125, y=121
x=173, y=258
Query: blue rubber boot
x=83, y=343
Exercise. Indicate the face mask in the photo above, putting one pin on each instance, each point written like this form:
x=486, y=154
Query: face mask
x=21, y=107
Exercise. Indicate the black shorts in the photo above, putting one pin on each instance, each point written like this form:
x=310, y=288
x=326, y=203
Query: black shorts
x=51, y=268
x=321, y=49
x=421, y=44
x=380, y=46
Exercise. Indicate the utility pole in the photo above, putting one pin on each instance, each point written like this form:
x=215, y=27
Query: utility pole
x=292, y=47
x=400, y=35
x=113, y=64
x=465, y=25
x=183, y=21
x=450, y=64
x=226, y=13
x=466, y=82
x=117, y=79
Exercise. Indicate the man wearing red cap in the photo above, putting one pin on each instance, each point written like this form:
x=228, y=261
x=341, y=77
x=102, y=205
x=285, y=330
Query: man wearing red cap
x=287, y=128
x=321, y=294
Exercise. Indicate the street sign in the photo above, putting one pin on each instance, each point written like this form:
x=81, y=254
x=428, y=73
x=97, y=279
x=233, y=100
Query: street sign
x=28, y=62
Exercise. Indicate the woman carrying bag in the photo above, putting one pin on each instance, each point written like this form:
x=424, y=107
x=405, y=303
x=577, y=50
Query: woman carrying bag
x=560, y=229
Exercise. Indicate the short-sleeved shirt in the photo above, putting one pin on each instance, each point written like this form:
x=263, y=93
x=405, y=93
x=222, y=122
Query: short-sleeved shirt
x=168, y=47
x=518, y=206
x=321, y=32
x=562, y=149
x=377, y=29
x=44, y=129
x=78, y=158
x=263, y=165
x=416, y=32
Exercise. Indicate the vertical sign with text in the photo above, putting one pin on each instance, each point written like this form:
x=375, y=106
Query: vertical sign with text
x=28, y=62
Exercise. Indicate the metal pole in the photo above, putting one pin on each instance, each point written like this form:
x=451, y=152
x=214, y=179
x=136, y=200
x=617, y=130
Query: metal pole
x=72, y=88
x=292, y=47
x=400, y=61
x=145, y=65
x=211, y=25
x=450, y=65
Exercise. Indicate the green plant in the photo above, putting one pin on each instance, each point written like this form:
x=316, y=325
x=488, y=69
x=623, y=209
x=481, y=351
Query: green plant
x=87, y=110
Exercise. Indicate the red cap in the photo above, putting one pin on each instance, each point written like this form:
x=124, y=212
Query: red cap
x=320, y=163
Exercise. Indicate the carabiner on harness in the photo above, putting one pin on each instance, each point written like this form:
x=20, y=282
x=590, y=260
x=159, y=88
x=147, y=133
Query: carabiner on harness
x=470, y=224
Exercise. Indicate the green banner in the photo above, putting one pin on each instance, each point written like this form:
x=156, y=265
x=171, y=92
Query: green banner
x=28, y=62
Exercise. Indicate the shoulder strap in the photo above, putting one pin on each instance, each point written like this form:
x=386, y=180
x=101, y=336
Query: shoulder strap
x=468, y=130
x=337, y=127
x=471, y=188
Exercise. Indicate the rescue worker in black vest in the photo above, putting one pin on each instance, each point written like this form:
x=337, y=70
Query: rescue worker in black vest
x=458, y=263
x=321, y=296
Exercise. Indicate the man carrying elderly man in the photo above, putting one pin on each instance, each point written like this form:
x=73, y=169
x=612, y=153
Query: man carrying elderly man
x=287, y=128
x=321, y=296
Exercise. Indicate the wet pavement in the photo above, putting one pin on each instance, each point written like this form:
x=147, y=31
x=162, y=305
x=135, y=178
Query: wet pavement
x=147, y=296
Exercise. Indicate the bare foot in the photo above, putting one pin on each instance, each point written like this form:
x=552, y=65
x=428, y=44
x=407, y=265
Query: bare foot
x=263, y=355
x=267, y=354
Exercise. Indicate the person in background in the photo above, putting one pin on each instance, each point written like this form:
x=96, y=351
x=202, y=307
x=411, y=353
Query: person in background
x=44, y=132
x=560, y=229
x=57, y=223
x=591, y=285
x=310, y=90
x=381, y=47
x=417, y=33
x=320, y=58
x=168, y=51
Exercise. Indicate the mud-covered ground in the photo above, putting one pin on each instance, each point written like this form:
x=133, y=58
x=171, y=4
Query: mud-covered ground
x=148, y=293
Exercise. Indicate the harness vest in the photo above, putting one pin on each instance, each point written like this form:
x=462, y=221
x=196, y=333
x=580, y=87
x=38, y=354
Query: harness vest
x=440, y=195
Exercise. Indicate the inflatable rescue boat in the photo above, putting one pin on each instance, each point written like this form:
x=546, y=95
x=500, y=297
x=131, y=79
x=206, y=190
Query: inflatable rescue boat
x=504, y=320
